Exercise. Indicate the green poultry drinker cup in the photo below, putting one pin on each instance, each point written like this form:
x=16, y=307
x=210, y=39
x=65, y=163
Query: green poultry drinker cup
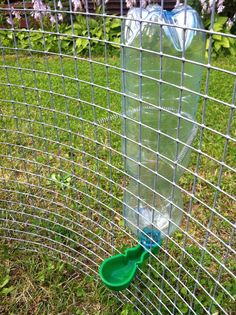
x=157, y=113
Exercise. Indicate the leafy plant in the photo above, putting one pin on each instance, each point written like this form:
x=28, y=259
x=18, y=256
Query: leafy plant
x=224, y=23
x=62, y=182
x=79, y=37
x=221, y=44
x=129, y=309
x=230, y=11
x=5, y=289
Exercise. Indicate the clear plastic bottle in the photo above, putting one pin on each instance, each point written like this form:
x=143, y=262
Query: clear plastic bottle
x=158, y=112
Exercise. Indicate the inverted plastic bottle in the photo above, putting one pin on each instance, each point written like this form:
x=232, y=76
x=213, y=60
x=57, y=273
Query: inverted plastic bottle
x=159, y=126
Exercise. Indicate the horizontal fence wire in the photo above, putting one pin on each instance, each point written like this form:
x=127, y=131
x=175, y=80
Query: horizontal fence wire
x=72, y=133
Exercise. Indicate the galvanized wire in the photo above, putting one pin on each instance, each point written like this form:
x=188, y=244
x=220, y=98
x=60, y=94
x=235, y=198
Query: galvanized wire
x=81, y=223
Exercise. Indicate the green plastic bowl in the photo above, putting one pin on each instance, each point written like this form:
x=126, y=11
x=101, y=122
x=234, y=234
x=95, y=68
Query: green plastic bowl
x=117, y=272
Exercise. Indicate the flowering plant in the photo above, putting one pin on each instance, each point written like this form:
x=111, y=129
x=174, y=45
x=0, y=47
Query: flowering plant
x=66, y=38
x=49, y=15
x=224, y=22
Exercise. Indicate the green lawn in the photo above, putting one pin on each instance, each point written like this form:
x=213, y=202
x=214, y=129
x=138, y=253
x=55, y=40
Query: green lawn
x=58, y=191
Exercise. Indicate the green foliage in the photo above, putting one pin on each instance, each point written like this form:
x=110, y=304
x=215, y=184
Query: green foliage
x=129, y=309
x=5, y=287
x=99, y=30
x=221, y=44
x=37, y=284
x=85, y=33
x=62, y=182
x=230, y=10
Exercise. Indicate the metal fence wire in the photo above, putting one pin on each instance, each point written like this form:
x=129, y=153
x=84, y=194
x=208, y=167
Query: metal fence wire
x=62, y=163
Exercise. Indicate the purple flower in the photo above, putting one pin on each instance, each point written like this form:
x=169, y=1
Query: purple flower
x=220, y=8
x=59, y=4
x=204, y=6
x=78, y=4
x=210, y=6
x=60, y=17
x=220, y=2
x=229, y=23
x=10, y=21
x=16, y=14
x=207, y=6
x=40, y=9
x=52, y=19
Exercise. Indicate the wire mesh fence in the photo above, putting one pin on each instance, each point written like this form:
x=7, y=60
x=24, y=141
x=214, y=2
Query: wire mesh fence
x=63, y=174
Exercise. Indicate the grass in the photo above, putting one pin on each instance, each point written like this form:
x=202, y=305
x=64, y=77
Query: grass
x=56, y=191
